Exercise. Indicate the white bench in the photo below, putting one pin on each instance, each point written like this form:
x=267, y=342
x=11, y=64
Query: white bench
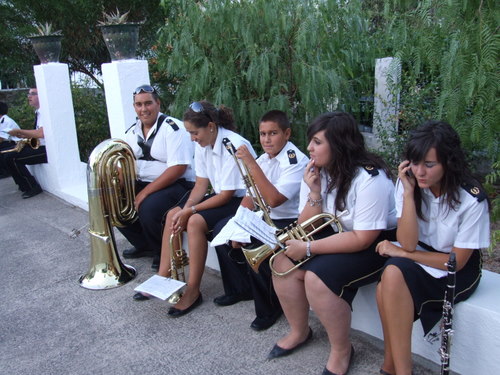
x=476, y=323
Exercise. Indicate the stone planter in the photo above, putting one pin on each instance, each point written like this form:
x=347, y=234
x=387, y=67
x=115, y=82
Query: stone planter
x=121, y=40
x=47, y=47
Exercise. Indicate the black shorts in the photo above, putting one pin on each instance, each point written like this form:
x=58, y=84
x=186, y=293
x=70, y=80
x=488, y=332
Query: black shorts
x=344, y=273
x=213, y=215
x=428, y=292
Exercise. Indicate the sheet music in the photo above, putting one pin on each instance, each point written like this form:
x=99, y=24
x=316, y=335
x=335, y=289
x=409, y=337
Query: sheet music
x=256, y=227
x=231, y=232
x=160, y=287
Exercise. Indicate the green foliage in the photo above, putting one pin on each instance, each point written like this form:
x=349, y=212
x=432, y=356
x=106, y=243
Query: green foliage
x=91, y=119
x=302, y=58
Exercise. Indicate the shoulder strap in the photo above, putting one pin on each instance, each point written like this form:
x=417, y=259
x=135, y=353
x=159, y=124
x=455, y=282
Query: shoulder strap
x=292, y=156
x=173, y=124
x=371, y=170
x=475, y=190
x=229, y=146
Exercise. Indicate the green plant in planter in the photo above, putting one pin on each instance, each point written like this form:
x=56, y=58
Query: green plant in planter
x=121, y=37
x=114, y=18
x=46, y=43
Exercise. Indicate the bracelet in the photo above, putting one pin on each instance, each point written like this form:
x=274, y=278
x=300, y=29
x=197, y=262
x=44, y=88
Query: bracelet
x=193, y=210
x=308, y=249
x=314, y=202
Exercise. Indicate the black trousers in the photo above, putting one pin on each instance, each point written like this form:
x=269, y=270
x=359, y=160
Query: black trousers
x=5, y=145
x=239, y=278
x=146, y=232
x=16, y=162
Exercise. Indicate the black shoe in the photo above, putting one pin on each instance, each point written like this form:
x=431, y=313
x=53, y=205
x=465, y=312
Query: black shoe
x=140, y=297
x=31, y=193
x=278, y=351
x=177, y=312
x=228, y=300
x=137, y=253
x=328, y=372
x=156, y=263
x=382, y=372
x=260, y=324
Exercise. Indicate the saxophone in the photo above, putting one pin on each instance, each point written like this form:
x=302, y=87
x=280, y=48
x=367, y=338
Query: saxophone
x=110, y=204
x=304, y=231
x=34, y=143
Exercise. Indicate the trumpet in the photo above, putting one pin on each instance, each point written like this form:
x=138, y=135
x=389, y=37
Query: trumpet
x=34, y=143
x=178, y=261
x=304, y=231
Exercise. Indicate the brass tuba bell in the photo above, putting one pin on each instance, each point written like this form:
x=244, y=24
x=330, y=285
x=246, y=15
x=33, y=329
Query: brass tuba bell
x=110, y=204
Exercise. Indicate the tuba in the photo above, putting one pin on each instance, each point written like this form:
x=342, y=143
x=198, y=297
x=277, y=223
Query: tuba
x=110, y=204
x=178, y=261
x=304, y=231
x=34, y=143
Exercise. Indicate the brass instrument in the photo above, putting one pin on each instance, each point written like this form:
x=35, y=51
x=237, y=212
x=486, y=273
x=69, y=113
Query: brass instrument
x=178, y=261
x=303, y=231
x=34, y=143
x=110, y=204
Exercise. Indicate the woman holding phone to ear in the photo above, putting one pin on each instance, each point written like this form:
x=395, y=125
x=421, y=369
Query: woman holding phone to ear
x=441, y=208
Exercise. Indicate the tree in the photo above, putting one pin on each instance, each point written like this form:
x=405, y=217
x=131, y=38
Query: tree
x=83, y=47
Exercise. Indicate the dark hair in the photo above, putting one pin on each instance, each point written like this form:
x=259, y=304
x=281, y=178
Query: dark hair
x=222, y=116
x=4, y=108
x=347, y=146
x=278, y=117
x=441, y=136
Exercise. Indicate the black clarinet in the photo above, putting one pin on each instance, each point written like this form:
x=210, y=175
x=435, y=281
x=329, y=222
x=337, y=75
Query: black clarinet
x=448, y=304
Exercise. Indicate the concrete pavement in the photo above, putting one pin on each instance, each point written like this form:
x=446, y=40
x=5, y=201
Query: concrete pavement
x=50, y=325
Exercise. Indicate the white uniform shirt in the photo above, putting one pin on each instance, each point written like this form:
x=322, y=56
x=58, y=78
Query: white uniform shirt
x=467, y=226
x=285, y=171
x=6, y=124
x=369, y=203
x=170, y=147
x=39, y=125
x=219, y=166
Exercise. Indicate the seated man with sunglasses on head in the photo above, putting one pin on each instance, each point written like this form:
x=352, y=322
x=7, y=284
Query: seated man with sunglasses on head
x=164, y=153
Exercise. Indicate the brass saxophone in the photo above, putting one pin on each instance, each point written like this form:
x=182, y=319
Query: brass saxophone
x=178, y=261
x=303, y=231
x=110, y=204
x=34, y=143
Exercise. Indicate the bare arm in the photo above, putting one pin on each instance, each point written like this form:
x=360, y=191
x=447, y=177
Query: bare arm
x=407, y=231
x=27, y=133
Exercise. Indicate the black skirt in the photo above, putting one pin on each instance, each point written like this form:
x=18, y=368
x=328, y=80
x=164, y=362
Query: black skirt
x=428, y=292
x=344, y=273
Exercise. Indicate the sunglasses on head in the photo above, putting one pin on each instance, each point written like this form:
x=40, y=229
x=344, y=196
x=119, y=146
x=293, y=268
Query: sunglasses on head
x=144, y=88
x=198, y=108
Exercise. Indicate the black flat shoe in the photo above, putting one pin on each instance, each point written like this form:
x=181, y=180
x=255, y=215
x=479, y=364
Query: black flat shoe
x=228, y=300
x=382, y=372
x=173, y=312
x=31, y=193
x=260, y=324
x=328, y=372
x=140, y=297
x=278, y=351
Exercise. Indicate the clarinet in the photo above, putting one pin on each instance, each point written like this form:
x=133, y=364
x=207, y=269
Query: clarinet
x=448, y=303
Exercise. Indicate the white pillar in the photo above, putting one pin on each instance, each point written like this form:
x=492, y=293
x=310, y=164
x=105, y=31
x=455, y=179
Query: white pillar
x=64, y=175
x=386, y=98
x=120, y=80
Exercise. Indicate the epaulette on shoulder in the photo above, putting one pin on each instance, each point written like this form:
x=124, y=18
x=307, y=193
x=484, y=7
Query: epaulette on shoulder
x=229, y=146
x=475, y=190
x=172, y=124
x=371, y=170
x=292, y=156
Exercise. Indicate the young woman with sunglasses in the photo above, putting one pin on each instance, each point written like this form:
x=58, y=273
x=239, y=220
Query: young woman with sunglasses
x=213, y=130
